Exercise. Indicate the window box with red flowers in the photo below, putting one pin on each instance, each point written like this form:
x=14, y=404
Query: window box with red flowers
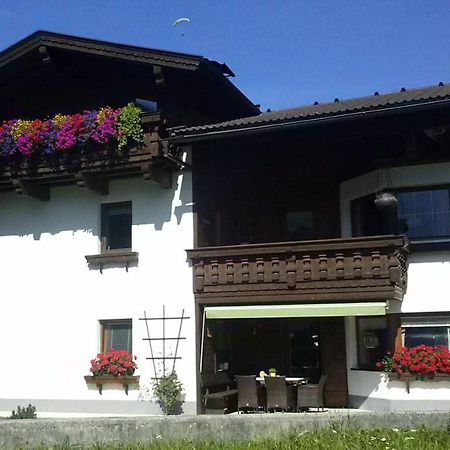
x=421, y=363
x=114, y=367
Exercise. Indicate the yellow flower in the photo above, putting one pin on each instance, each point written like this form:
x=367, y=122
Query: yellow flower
x=18, y=128
x=102, y=113
x=59, y=119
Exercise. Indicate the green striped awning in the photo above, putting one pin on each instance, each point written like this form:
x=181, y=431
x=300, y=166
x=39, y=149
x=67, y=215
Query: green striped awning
x=306, y=310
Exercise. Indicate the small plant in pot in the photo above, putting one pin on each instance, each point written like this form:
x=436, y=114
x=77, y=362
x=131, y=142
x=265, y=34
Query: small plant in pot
x=168, y=392
x=273, y=372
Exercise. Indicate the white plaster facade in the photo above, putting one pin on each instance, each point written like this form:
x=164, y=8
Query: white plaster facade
x=52, y=302
x=428, y=291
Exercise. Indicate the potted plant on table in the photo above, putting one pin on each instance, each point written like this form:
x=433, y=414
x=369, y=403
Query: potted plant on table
x=116, y=367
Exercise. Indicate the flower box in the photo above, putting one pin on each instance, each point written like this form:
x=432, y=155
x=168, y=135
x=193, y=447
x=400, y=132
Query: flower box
x=101, y=380
x=420, y=363
x=114, y=367
x=86, y=149
x=408, y=379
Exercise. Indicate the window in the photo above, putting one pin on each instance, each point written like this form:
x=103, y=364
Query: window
x=428, y=330
x=424, y=214
x=116, y=334
x=300, y=225
x=372, y=341
x=116, y=226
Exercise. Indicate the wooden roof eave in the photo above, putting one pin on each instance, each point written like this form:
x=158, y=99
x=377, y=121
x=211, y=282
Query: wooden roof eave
x=178, y=136
x=99, y=48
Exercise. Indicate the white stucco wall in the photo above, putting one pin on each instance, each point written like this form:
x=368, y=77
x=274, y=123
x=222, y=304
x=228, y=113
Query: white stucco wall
x=52, y=302
x=428, y=291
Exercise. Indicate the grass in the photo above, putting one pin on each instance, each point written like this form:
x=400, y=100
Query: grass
x=329, y=438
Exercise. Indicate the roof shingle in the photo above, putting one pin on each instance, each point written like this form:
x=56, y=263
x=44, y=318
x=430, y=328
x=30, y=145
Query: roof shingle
x=374, y=102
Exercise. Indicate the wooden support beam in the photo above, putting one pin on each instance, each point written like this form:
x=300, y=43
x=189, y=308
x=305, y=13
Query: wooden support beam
x=157, y=174
x=159, y=76
x=93, y=182
x=45, y=56
x=32, y=189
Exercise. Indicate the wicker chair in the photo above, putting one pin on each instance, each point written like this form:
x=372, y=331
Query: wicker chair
x=311, y=395
x=248, y=398
x=280, y=396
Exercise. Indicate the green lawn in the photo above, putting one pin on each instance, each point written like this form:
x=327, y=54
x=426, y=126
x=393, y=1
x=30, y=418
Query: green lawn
x=334, y=439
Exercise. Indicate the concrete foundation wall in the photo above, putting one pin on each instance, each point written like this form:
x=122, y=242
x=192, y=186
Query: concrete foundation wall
x=30, y=433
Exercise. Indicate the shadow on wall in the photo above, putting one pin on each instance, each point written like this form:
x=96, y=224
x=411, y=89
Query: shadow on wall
x=73, y=209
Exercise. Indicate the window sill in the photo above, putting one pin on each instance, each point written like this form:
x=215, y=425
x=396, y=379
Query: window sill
x=121, y=258
x=422, y=245
x=100, y=381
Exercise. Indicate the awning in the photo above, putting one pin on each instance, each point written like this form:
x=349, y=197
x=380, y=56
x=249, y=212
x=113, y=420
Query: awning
x=306, y=310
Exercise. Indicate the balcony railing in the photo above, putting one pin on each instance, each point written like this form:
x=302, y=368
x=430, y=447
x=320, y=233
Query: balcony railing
x=94, y=171
x=369, y=268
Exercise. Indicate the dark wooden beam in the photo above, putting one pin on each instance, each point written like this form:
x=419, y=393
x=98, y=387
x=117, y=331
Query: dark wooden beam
x=32, y=189
x=159, y=76
x=157, y=174
x=93, y=182
x=44, y=55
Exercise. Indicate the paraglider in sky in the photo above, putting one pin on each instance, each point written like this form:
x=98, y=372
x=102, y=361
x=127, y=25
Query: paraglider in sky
x=181, y=21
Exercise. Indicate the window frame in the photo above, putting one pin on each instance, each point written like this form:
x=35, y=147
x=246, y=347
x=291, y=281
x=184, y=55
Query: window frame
x=104, y=225
x=104, y=323
x=424, y=239
x=432, y=320
x=358, y=330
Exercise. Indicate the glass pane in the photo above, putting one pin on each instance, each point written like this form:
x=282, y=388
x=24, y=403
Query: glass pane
x=441, y=223
x=405, y=203
x=300, y=225
x=427, y=336
x=119, y=231
x=118, y=336
x=425, y=214
x=440, y=199
x=422, y=201
x=372, y=341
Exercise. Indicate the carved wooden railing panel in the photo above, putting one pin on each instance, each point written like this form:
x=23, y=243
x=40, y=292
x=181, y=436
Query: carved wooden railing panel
x=335, y=269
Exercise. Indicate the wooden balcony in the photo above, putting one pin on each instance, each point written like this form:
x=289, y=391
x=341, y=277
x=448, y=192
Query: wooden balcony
x=357, y=269
x=93, y=172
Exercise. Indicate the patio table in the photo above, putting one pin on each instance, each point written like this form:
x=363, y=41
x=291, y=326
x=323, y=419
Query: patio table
x=293, y=380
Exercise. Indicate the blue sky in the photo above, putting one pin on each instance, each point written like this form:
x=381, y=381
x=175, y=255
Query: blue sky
x=284, y=53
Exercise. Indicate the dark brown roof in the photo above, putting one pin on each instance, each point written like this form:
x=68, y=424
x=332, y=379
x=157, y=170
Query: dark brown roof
x=404, y=98
x=101, y=48
x=27, y=54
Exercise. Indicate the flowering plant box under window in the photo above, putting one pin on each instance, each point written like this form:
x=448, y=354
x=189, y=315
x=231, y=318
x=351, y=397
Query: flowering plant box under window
x=114, y=367
x=420, y=363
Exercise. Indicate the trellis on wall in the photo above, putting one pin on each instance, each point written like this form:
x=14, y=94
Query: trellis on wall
x=163, y=340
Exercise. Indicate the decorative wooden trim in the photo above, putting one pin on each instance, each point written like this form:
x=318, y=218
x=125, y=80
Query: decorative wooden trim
x=93, y=182
x=110, y=379
x=408, y=379
x=32, y=189
x=362, y=269
x=125, y=257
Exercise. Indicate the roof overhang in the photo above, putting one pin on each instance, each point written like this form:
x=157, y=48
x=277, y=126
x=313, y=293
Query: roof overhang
x=99, y=48
x=180, y=138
